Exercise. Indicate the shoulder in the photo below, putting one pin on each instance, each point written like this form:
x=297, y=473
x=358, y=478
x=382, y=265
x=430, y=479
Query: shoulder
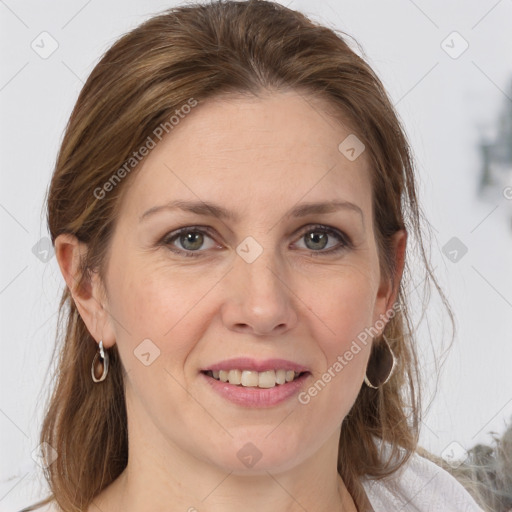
x=419, y=486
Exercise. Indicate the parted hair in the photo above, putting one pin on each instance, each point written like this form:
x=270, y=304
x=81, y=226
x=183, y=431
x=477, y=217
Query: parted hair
x=202, y=51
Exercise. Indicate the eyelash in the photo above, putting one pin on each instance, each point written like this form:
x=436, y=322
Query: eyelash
x=346, y=243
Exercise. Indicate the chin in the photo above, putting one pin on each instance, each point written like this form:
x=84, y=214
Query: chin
x=257, y=453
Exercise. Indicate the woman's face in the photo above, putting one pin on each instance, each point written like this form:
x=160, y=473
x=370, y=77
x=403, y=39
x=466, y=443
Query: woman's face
x=257, y=274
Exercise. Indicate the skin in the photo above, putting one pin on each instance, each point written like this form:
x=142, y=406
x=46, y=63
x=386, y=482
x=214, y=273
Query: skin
x=257, y=157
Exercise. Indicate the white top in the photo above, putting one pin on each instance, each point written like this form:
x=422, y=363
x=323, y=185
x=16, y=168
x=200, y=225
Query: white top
x=419, y=486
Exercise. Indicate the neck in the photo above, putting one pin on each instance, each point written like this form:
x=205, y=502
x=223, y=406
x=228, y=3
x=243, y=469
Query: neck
x=162, y=477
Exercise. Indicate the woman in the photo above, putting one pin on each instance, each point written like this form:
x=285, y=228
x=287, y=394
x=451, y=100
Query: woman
x=230, y=211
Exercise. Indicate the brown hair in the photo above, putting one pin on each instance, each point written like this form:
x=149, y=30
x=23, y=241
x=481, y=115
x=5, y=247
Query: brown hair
x=203, y=51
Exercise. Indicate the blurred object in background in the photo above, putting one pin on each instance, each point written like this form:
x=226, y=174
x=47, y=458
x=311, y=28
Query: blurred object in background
x=486, y=472
x=496, y=151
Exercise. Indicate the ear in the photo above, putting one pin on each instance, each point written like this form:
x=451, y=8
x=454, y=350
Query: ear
x=90, y=298
x=389, y=285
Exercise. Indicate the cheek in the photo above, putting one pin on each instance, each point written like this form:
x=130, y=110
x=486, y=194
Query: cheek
x=158, y=303
x=343, y=314
x=344, y=307
x=155, y=317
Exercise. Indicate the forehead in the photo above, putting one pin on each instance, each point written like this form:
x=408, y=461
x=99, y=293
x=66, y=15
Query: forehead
x=264, y=150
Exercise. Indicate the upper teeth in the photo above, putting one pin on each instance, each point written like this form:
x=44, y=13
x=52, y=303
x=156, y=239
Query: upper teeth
x=249, y=378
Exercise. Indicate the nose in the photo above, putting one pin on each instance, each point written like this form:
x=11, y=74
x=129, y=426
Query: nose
x=259, y=300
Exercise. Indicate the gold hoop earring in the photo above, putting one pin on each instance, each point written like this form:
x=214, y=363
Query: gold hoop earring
x=381, y=365
x=103, y=355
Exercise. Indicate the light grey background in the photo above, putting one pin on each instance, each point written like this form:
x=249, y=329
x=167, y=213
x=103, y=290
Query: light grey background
x=446, y=104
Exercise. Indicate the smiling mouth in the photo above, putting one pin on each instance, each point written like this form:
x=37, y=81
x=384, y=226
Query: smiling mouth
x=254, y=379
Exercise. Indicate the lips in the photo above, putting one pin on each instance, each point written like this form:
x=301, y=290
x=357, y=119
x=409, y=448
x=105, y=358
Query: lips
x=256, y=397
x=246, y=363
x=251, y=373
x=250, y=382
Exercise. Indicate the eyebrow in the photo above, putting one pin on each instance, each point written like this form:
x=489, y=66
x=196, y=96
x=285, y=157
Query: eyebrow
x=214, y=210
